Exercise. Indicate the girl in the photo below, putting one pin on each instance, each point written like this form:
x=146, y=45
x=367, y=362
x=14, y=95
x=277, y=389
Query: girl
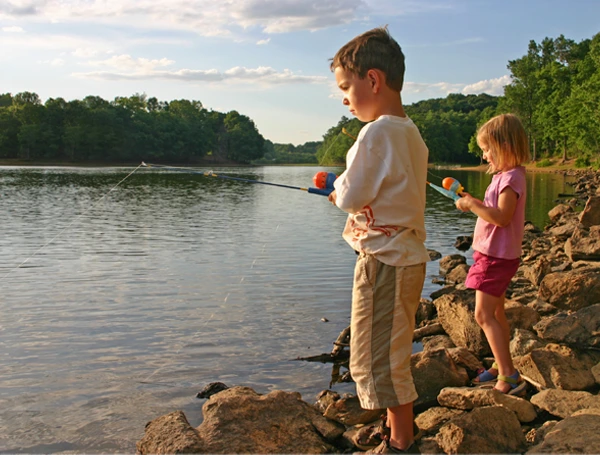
x=497, y=241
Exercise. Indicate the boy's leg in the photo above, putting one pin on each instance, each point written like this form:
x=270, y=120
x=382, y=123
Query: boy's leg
x=489, y=314
x=400, y=420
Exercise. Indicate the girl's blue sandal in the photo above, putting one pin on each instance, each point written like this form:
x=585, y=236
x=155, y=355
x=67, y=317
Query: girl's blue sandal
x=485, y=377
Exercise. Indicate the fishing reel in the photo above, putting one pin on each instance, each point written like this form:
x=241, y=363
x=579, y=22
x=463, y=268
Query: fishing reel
x=324, y=180
x=453, y=185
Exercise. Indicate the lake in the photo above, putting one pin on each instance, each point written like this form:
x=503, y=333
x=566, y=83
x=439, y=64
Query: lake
x=123, y=294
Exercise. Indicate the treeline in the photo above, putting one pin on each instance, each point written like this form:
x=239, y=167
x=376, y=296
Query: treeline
x=554, y=89
x=446, y=124
x=127, y=129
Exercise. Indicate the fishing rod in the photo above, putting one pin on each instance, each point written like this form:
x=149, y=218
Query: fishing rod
x=324, y=186
x=450, y=188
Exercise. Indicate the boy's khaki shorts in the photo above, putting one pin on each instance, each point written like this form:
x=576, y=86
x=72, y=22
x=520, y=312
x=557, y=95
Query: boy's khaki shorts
x=384, y=303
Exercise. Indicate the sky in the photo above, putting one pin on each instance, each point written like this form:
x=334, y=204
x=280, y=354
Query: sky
x=268, y=59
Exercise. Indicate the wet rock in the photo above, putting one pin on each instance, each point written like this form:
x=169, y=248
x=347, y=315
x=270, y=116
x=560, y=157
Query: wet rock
x=463, y=242
x=212, y=389
x=168, y=434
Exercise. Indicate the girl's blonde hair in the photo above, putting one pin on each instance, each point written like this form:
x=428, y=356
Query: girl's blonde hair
x=505, y=139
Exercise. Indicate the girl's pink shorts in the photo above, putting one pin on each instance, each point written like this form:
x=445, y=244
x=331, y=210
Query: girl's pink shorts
x=491, y=275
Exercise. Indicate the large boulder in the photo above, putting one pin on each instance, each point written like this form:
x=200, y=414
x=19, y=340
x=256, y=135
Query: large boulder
x=584, y=244
x=456, y=313
x=239, y=420
x=491, y=429
x=433, y=370
x=580, y=329
x=575, y=434
x=559, y=367
x=571, y=290
x=563, y=403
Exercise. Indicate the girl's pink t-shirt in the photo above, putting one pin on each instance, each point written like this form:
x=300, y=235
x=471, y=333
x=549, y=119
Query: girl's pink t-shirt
x=503, y=242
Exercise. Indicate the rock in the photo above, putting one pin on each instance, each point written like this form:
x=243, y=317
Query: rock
x=432, y=371
x=491, y=429
x=538, y=270
x=168, y=434
x=456, y=313
x=432, y=419
x=559, y=367
x=239, y=420
x=211, y=389
x=537, y=435
x=467, y=398
x=447, y=263
x=348, y=412
x=571, y=290
x=558, y=211
x=463, y=242
x=563, y=403
x=581, y=329
x=590, y=216
x=520, y=316
x=584, y=244
x=324, y=399
x=434, y=255
x=576, y=434
x=458, y=274
x=523, y=342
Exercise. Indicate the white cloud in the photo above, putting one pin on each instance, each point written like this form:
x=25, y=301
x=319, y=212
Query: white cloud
x=14, y=29
x=263, y=42
x=127, y=63
x=489, y=86
x=143, y=69
x=205, y=17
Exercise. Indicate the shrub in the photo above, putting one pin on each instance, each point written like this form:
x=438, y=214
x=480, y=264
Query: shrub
x=544, y=163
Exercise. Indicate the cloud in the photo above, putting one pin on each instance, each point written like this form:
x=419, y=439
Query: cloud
x=144, y=69
x=204, y=17
x=12, y=29
x=489, y=86
x=262, y=42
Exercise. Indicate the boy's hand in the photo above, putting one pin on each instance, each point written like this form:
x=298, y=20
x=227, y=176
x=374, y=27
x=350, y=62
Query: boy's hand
x=332, y=197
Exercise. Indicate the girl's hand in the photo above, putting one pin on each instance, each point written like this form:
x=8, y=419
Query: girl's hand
x=465, y=202
x=332, y=197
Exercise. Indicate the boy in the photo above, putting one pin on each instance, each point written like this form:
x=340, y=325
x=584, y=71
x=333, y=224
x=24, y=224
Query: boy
x=383, y=191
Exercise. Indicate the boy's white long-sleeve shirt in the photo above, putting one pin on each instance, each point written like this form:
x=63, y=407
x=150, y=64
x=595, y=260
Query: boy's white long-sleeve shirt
x=383, y=191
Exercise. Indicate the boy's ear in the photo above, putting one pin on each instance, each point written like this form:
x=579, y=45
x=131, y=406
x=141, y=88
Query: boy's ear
x=376, y=78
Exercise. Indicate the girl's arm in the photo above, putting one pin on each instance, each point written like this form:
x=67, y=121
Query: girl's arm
x=501, y=216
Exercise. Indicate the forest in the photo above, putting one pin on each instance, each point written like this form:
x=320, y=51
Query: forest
x=554, y=89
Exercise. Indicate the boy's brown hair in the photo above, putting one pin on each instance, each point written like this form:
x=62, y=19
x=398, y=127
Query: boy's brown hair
x=375, y=49
x=505, y=138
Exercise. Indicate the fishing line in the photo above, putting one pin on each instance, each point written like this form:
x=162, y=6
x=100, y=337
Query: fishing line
x=69, y=225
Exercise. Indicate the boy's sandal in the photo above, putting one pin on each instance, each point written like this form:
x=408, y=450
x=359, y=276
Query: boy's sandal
x=484, y=376
x=371, y=436
x=516, y=383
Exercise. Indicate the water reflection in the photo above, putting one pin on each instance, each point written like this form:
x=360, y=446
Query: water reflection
x=133, y=298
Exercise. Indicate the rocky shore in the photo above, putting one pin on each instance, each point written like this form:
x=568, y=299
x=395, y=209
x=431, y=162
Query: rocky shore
x=553, y=306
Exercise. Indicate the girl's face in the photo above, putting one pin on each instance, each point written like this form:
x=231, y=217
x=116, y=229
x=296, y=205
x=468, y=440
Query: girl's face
x=358, y=94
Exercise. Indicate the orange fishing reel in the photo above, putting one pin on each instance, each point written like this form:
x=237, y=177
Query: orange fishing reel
x=451, y=184
x=324, y=180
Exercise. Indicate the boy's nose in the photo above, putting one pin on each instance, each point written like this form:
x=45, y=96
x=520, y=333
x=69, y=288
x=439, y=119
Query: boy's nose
x=345, y=102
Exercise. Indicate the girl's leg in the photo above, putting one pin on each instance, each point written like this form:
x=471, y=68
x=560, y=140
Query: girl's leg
x=400, y=421
x=489, y=314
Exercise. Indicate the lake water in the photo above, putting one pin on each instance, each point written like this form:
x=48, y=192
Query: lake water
x=134, y=294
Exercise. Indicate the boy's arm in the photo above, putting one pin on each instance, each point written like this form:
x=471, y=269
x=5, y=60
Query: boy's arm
x=501, y=216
